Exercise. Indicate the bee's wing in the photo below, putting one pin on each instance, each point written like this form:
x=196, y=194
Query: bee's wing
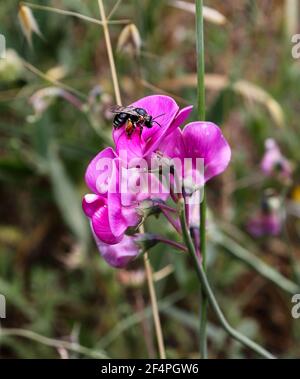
x=116, y=109
x=120, y=109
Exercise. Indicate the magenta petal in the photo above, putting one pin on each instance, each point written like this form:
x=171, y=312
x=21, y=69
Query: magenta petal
x=180, y=118
x=120, y=218
x=101, y=227
x=128, y=147
x=116, y=219
x=91, y=203
x=205, y=140
x=173, y=145
x=118, y=255
x=99, y=171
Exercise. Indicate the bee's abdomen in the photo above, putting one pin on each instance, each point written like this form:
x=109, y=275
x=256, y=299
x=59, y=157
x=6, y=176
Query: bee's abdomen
x=120, y=119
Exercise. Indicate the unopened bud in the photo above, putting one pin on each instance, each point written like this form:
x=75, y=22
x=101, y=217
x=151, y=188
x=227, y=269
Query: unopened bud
x=28, y=23
x=129, y=40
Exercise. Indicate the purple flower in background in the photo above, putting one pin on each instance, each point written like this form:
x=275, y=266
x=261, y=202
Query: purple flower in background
x=268, y=221
x=274, y=164
x=265, y=225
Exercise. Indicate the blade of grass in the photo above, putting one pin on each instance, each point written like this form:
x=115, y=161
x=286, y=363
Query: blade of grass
x=73, y=14
x=48, y=79
x=71, y=346
x=114, y=8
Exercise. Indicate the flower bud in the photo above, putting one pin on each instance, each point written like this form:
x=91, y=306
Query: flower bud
x=28, y=23
x=129, y=40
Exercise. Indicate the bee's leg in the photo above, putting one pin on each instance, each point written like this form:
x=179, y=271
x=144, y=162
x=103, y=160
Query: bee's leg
x=141, y=129
x=130, y=126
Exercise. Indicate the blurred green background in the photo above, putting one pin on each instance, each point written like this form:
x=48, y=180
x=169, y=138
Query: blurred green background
x=54, y=99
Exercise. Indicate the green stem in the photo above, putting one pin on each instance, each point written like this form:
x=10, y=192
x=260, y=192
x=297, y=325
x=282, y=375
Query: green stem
x=209, y=293
x=200, y=60
x=201, y=116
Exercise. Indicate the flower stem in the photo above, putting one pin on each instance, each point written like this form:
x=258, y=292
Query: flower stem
x=201, y=116
x=172, y=221
x=148, y=267
x=209, y=293
x=157, y=324
x=176, y=245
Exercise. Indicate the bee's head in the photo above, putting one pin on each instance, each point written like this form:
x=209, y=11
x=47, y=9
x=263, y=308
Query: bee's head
x=148, y=121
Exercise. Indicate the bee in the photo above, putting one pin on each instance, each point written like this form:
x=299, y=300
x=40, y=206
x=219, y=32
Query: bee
x=133, y=118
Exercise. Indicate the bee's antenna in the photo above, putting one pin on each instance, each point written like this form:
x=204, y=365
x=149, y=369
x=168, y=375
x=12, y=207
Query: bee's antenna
x=158, y=116
x=153, y=120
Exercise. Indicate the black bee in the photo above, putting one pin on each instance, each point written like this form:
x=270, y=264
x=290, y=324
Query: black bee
x=133, y=118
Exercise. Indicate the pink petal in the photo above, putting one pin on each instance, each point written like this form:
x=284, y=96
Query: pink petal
x=129, y=147
x=95, y=208
x=118, y=255
x=99, y=171
x=173, y=145
x=180, y=118
x=101, y=227
x=91, y=203
x=120, y=218
x=205, y=140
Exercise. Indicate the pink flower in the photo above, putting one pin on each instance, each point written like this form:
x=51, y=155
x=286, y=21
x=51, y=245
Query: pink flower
x=274, y=163
x=113, y=208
